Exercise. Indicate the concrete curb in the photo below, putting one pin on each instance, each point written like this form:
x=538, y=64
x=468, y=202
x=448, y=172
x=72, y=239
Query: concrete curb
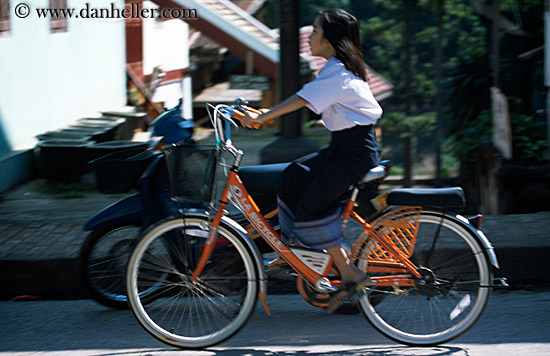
x=46, y=279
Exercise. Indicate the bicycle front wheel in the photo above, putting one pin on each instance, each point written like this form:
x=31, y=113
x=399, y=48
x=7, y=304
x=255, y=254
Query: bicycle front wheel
x=190, y=314
x=450, y=301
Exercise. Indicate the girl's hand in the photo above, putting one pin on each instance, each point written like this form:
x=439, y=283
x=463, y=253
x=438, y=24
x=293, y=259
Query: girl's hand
x=253, y=120
x=250, y=119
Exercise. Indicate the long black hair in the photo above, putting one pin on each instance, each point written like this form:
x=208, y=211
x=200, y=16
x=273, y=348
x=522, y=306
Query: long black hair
x=341, y=29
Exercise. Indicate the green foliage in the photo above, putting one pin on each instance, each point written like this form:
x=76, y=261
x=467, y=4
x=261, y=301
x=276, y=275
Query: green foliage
x=466, y=67
x=529, y=143
x=474, y=133
x=398, y=124
x=468, y=83
x=309, y=9
x=470, y=77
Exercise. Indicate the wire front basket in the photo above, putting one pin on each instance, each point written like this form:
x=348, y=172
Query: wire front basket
x=192, y=173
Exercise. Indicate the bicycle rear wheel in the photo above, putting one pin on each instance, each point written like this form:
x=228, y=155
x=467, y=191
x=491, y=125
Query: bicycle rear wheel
x=449, y=303
x=189, y=314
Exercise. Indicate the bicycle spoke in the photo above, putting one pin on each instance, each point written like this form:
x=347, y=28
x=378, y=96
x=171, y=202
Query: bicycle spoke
x=451, y=297
x=428, y=259
x=201, y=312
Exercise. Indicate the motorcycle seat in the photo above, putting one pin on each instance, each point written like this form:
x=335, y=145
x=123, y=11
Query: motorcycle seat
x=261, y=180
x=261, y=183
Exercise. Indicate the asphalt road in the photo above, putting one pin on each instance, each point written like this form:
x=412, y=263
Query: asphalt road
x=514, y=323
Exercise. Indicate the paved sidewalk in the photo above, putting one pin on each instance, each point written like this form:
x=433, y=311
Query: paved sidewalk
x=40, y=240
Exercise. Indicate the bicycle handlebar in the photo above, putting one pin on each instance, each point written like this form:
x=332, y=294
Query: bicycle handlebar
x=239, y=116
x=228, y=113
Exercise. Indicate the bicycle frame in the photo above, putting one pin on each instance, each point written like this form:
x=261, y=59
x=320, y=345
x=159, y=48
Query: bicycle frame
x=236, y=187
x=259, y=222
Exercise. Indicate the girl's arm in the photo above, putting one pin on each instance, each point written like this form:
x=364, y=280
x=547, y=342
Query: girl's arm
x=288, y=105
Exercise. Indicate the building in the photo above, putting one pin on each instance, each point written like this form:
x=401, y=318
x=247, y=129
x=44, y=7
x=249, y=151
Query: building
x=53, y=72
x=158, y=49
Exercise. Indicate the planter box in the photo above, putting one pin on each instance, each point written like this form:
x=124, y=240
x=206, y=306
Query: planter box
x=118, y=172
x=127, y=149
x=64, y=136
x=64, y=160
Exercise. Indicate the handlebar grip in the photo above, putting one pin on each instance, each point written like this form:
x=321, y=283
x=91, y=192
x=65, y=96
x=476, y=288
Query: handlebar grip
x=239, y=115
x=259, y=113
x=253, y=110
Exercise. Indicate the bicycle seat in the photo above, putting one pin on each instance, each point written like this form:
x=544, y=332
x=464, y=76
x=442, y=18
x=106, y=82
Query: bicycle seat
x=261, y=182
x=437, y=197
x=375, y=173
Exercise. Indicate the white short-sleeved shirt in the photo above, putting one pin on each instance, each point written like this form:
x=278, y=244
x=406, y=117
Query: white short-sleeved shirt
x=343, y=99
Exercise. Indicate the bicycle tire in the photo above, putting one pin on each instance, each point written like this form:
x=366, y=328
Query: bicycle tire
x=450, y=303
x=103, y=258
x=189, y=314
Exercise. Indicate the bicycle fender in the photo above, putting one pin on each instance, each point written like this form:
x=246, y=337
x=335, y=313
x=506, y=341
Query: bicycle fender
x=129, y=209
x=238, y=229
x=482, y=238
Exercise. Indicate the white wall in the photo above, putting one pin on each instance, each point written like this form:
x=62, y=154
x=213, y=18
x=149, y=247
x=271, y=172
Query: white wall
x=166, y=45
x=48, y=81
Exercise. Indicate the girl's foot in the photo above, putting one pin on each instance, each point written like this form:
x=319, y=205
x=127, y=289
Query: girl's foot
x=347, y=292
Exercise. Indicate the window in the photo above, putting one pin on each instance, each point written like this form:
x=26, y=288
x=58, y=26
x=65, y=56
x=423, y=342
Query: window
x=58, y=22
x=4, y=17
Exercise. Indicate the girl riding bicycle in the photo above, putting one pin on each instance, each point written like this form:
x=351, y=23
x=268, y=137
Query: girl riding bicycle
x=310, y=189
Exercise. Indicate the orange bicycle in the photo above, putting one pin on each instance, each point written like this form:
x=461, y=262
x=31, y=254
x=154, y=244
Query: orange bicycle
x=431, y=270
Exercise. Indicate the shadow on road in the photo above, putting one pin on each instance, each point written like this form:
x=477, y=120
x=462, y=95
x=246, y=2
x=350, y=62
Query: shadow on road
x=326, y=351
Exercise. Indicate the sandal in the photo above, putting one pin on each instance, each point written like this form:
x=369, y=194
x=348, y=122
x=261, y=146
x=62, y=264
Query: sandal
x=346, y=292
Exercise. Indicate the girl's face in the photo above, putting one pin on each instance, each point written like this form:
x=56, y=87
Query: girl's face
x=320, y=46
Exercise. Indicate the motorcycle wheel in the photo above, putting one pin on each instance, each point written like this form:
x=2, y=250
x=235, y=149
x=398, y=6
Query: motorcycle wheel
x=103, y=259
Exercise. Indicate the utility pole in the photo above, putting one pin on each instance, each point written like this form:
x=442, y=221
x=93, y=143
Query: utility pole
x=291, y=145
x=289, y=67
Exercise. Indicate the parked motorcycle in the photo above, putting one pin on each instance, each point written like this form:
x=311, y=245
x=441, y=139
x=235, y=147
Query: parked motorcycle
x=114, y=229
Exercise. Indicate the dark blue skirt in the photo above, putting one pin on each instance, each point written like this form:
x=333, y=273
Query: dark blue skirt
x=311, y=188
